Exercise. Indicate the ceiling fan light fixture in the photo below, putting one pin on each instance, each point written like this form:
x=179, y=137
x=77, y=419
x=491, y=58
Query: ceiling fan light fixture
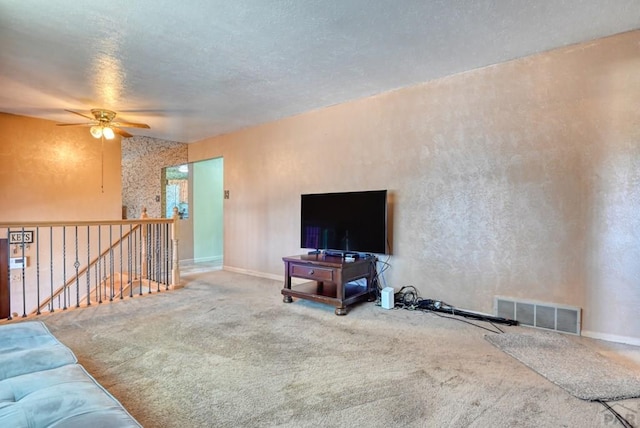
x=108, y=133
x=102, y=125
x=96, y=131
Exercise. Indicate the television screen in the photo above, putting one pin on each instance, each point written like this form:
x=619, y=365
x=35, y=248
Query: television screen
x=348, y=222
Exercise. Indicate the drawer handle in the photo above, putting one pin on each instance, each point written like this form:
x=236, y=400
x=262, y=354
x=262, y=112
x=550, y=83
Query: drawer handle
x=311, y=272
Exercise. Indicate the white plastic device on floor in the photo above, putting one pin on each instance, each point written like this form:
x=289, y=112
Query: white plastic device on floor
x=386, y=298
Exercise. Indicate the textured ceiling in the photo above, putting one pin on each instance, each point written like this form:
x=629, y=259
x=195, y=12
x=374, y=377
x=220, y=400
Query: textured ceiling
x=197, y=68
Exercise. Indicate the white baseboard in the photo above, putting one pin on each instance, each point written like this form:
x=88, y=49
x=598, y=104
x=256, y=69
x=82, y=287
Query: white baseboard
x=294, y=281
x=201, y=260
x=253, y=273
x=611, y=337
x=207, y=259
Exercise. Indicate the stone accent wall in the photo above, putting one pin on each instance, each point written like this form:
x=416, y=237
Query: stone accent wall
x=142, y=161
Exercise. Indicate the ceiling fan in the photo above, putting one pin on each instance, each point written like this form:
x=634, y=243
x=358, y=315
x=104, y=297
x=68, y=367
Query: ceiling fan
x=102, y=124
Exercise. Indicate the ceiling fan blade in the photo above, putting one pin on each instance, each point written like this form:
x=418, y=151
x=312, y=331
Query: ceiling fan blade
x=131, y=125
x=80, y=114
x=74, y=124
x=121, y=132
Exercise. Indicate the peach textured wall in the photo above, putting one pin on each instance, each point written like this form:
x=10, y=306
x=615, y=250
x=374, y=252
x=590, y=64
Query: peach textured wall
x=54, y=173
x=520, y=179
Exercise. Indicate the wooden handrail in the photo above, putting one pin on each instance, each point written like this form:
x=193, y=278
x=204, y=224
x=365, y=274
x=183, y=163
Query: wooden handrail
x=19, y=225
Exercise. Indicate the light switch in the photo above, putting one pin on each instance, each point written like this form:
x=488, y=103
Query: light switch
x=18, y=262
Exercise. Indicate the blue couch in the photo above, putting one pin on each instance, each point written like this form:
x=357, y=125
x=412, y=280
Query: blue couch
x=42, y=384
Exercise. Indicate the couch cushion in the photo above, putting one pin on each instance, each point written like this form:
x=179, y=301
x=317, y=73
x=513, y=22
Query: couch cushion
x=41, y=384
x=29, y=347
x=66, y=396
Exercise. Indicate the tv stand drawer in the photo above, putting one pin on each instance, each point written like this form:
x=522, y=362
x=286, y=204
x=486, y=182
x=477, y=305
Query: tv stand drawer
x=311, y=272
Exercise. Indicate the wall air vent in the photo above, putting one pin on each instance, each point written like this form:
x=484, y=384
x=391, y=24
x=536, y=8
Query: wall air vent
x=549, y=316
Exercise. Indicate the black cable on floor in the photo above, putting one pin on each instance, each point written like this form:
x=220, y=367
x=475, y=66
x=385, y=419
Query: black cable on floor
x=408, y=298
x=465, y=321
x=625, y=423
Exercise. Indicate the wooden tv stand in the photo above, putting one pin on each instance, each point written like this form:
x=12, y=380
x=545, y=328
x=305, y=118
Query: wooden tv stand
x=330, y=276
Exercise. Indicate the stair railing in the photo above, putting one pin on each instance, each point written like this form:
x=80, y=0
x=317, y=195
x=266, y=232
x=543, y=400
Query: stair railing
x=58, y=265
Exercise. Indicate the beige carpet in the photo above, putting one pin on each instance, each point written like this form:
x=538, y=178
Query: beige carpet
x=225, y=351
x=572, y=366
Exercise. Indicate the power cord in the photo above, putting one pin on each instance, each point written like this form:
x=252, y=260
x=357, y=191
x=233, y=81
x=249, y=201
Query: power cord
x=625, y=423
x=408, y=298
x=378, y=275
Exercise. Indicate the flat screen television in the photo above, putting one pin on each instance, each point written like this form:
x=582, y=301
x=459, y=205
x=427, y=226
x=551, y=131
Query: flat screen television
x=345, y=223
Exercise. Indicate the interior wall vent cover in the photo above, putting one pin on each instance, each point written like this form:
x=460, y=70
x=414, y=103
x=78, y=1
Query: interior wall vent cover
x=549, y=316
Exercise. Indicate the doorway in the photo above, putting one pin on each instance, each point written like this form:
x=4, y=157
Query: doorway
x=176, y=191
x=196, y=189
x=208, y=211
